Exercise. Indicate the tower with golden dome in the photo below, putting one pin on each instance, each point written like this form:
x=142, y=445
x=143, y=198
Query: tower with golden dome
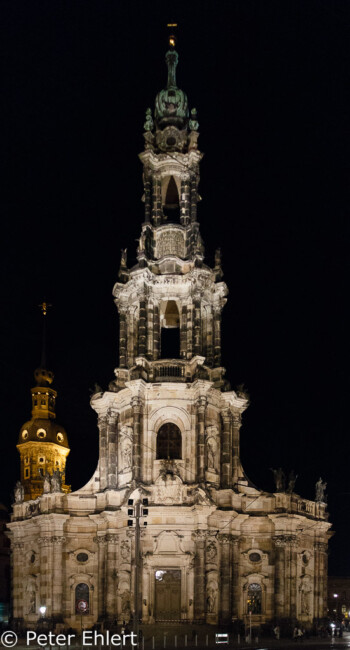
x=215, y=549
x=42, y=442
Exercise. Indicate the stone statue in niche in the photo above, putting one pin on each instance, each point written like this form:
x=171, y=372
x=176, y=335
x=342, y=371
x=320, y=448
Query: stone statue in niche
x=126, y=602
x=305, y=591
x=125, y=550
x=19, y=492
x=211, y=552
x=211, y=452
x=31, y=598
x=211, y=597
x=127, y=454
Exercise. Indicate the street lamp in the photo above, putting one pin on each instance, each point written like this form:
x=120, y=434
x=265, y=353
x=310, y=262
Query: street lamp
x=42, y=610
x=135, y=511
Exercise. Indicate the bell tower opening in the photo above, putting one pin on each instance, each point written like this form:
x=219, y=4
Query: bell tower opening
x=171, y=200
x=170, y=330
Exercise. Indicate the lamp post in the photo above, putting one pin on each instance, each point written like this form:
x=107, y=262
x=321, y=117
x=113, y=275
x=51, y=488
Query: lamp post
x=42, y=611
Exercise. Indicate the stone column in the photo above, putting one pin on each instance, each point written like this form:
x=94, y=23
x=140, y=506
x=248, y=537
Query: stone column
x=293, y=575
x=157, y=211
x=197, y=326
x=142, y=329
x=235, y=578
x=156, y=333
x=57, y=578
x=185, y=202
x=225, y=577
x=183, y=332
x=280, y=545
x=226, y=472
x=320, y=580
x=236, y=425
x=122, y=338
x=17, y=582
x=112, y=427
x=136, y=460
x=111, y=576
x=217, y=337
x=193, y=199
x=189, y=331
x=102, y=425
x=148, y=199
x=199, y=575
x=201, y=408
x=44, y=594
x=150, y=321
x=101, y=578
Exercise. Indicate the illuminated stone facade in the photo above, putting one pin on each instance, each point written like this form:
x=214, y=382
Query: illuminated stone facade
x=214, y=547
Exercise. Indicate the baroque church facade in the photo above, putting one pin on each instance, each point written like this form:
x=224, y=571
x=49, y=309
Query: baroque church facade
x=169, y=527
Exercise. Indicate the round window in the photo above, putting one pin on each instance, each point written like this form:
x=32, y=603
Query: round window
x=32, y=558
x=82, y=557
x=60, y=437
x=41, y=433
x=254, y=557
x=25, y=434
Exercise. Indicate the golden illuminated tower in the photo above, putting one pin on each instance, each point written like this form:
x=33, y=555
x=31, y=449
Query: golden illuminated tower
x=43, y=443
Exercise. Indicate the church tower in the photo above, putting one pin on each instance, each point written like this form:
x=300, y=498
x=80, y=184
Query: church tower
x=42, y=442
x=168, y=528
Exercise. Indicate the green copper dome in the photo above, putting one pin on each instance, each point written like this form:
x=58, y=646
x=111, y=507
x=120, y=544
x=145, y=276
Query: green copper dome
x=171, y=105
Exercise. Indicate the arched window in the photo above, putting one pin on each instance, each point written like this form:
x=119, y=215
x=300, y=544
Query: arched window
x=82, y=598
x=254, y=598
x=169, y=442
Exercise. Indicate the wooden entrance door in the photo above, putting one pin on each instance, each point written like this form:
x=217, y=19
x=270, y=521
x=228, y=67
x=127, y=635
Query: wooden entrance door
x=168, y=595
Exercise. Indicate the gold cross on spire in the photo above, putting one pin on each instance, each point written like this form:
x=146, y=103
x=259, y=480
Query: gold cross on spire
x=172, y=38
x=44, y=307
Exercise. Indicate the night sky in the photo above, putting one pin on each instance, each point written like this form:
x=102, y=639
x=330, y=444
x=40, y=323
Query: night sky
x=270, y=81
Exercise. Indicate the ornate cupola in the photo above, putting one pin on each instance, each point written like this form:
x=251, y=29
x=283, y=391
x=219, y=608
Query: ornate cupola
x=42, y=443
x=170, y=303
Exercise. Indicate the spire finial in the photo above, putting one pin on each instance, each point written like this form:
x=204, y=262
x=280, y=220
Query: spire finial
x=171, y=57
x=44, y=309
x=172, y=37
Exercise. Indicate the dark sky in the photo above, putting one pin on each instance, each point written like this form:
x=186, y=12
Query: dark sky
x=270, y=81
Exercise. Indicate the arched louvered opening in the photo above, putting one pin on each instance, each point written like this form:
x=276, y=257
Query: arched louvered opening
x=171, y=201
x=170, y=332
x=169, y=442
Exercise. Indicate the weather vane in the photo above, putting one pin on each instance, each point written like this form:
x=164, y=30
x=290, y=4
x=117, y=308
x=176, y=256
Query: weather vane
x=44, y=307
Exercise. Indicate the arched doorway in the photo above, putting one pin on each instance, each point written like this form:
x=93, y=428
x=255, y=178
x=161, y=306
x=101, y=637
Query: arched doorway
x=167, y=594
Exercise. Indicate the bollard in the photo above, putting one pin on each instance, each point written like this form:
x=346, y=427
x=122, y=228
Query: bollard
x=256, y=639
x=195, y=640
x=206, y=639
x=238, y=639
x=143, y=642
x=152, y=642
x=175, y=641
x=185, y=640
x=164, y=646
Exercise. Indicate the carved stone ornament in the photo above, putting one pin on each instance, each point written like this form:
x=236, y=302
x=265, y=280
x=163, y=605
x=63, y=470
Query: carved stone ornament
x=170, y=242
x=286, y=540
x=101, y=540
x=211, y=552
x=322, y=547
x=125, y=550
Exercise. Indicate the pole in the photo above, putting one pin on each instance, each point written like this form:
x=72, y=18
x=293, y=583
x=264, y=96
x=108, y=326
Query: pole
x=137, y=567
x=250, y=626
